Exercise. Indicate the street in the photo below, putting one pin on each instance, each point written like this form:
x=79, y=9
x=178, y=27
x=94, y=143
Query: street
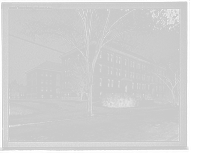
x=107, y=125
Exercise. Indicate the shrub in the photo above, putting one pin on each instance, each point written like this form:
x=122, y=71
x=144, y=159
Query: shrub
x=138, y=96
x=118, y=100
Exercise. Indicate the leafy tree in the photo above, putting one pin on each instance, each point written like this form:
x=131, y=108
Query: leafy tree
x=14, y=89
x=78, y=77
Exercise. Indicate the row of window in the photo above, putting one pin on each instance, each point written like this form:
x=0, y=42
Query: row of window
x=131, y=75
x=43, y=89
x=46, y=89
x=110, y=83
x=46, y=82
x=42, y=96
x=118, y=60
x=46, y=75
x=139, y=86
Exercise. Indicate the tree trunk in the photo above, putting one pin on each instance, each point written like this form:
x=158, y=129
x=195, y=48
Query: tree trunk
x=90, y=105
x=173, y=98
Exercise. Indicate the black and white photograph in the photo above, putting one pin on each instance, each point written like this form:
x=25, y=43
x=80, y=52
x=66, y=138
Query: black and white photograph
x=94, y=75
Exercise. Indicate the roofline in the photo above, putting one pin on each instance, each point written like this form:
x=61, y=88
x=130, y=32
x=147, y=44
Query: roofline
x=43, y=69
x=126, y=54
x=114, y=49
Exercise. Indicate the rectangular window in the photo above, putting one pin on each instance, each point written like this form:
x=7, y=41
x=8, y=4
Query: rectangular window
x=100, y=83
x=125, y=62
x=68, y=61
x=119, y=60
x=118, y=84
x=100, y=68
x=108, y=82
x=119, y=72
x=132, y=85
x=131, y=75
x=125, y=74
x=138, y=65
x=108, y=70
x=111, y=70
x=116, y=59
x=116, y=72
x=65, y=85
x=108, y=56
x=111, y=57
x=112, y=83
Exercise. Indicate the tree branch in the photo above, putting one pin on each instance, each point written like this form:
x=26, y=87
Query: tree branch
x=98, y=21
x=107, y=20
x=63, y=36
x=117, y=22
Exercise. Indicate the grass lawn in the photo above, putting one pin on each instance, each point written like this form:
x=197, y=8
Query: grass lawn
x=16, y=109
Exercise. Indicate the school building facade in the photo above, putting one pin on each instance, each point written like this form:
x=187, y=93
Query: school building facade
x=117, y=70
x=44, y=80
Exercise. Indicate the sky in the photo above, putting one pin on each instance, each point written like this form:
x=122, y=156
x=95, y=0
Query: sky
x=24, y=55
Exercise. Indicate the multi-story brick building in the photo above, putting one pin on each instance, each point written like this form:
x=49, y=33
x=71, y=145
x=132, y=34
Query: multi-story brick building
x=44, y=81
x=117, y=70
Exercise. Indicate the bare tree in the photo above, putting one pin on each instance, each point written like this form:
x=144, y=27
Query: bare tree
x=172, y=79
x=89, y=30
